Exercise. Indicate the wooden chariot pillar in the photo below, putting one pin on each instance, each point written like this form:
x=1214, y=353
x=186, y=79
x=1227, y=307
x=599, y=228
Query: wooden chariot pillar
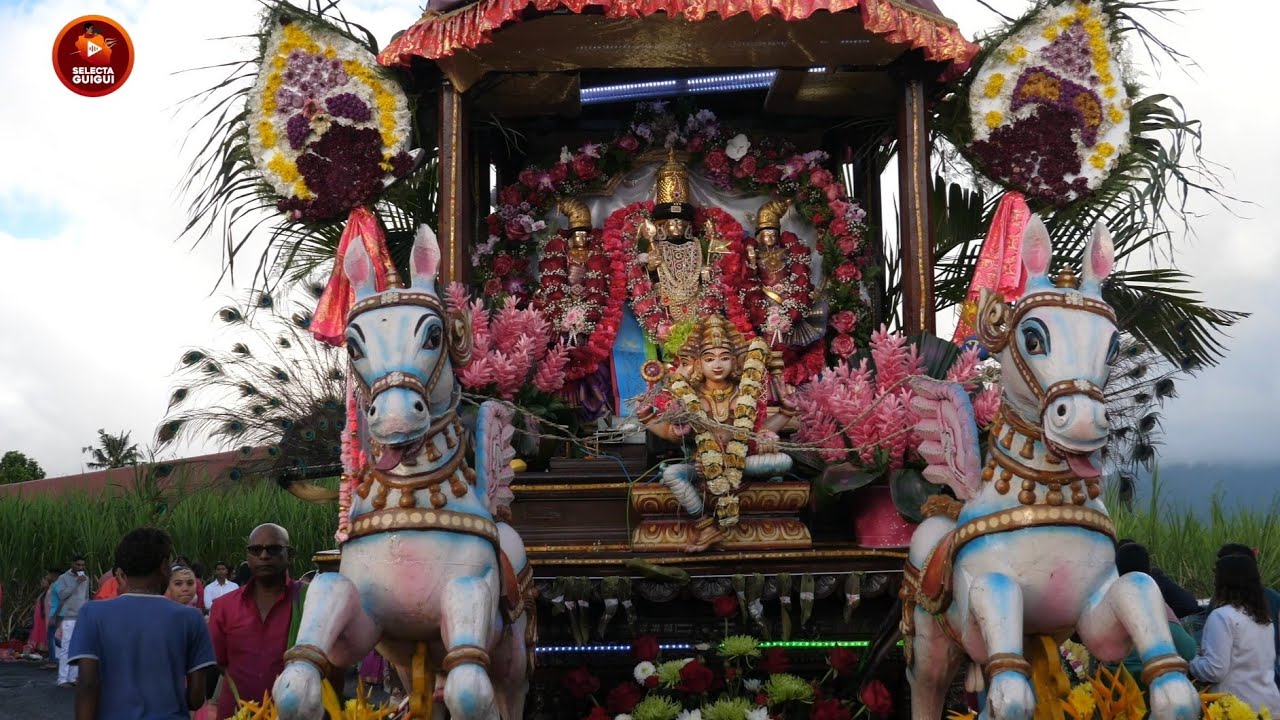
x=454, y=201
x=915, y=227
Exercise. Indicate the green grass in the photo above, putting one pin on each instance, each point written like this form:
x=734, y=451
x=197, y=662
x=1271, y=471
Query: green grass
x=207, y=524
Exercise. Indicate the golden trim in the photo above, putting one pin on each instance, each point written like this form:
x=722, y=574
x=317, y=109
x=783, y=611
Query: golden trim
x=915, y=103
x=717, y=558
x=392, y=519
x=531, y=550
x=1023, y=517
x=566, y=488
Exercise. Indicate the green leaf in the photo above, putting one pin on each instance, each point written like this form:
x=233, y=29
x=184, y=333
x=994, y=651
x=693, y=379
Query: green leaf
x=845, y=477
x=909, y=490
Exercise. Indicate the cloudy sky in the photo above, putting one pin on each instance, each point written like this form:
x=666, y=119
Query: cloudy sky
x=98, y=298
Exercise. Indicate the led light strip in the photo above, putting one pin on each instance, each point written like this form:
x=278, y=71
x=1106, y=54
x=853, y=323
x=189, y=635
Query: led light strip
x=764, y=645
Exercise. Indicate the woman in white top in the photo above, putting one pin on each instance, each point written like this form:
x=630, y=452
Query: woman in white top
x=1237, y=651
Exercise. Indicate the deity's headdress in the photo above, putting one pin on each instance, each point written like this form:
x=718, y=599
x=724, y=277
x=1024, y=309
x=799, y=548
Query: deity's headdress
x=672, y=197
x=713, y=332
x=769, y=217
x=578, y=213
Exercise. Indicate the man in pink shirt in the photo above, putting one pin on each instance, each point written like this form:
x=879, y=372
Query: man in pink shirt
x=250, y=626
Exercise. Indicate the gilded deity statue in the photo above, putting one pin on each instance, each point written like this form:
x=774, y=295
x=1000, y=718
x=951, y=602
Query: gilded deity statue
x=720, y=392
x=579, y=252
x=770, y=260
x=675, y=253
x=785, y=296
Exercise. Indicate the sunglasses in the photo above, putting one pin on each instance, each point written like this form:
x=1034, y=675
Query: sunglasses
x=271, y=550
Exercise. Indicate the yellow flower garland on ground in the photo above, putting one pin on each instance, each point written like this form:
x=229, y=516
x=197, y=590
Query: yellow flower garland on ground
x=722, y=467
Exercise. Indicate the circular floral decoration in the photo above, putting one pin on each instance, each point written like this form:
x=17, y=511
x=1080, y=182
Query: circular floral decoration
x=1048, y=108
x=328, y=129
x=586, y=313
x=753, y=166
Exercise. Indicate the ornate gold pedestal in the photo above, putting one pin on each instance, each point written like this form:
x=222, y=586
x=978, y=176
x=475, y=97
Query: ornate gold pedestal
x=769, y=519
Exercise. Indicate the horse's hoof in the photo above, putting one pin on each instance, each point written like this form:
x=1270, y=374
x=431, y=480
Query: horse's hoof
x=468, y=693
x=296, y=693
x=1173, y=697
x=1010, y=697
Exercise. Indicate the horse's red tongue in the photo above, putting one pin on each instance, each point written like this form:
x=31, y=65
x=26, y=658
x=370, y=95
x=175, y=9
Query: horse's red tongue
x=390, y=457
x=1082, y=466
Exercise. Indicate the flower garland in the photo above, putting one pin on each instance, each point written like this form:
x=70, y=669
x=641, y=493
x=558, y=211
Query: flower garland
x=722, y=466
x=731, y=161
x=724, y=295
x=1049, y=109
x=591, y=309
x=796, y=290
x=327, y=128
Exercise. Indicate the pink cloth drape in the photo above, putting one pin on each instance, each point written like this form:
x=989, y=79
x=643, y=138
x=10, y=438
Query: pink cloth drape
x=999, y=267
x=330, y=319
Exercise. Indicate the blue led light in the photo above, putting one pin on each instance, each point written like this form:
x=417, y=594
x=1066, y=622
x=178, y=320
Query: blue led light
x=544, y=649
x=725, y=82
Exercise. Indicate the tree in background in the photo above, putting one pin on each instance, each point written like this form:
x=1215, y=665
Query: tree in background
x=112, y=451
x=16, y=467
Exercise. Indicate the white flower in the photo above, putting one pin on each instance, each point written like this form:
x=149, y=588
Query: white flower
x=565, y=155
x=737, y=147
x=705, y=116
x=644, y=671
x=759, y=713
x=623, y=716
x=590, y=150
x=694, y=714
x=751, y=684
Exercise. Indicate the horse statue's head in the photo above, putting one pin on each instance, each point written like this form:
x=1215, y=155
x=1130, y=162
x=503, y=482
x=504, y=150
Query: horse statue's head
x=402, y=344
x=1056, y=346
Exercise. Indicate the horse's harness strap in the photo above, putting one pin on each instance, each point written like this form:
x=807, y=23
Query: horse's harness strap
x=380, y=521
x=1071, y=301
x=417, y=482
x=396, y=297
x=399, y=379
x=1020, y=518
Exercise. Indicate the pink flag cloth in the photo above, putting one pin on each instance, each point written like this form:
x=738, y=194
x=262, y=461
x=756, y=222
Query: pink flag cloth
x=999, y=267
x=330, y=320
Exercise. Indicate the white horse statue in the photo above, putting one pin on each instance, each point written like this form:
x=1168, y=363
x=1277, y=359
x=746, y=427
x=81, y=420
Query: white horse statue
x=428, y=576
x=1030, y=555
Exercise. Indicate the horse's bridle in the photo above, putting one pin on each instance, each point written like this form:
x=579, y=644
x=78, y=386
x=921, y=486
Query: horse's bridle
x=997, y=322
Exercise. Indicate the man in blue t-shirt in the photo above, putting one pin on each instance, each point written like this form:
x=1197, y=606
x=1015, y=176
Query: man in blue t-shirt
x=140, y=654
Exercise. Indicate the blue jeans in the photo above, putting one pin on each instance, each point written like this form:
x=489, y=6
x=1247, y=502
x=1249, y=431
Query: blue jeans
x=53, y=644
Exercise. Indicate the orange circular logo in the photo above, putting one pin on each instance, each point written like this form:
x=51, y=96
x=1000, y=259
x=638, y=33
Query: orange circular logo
x=93, y=56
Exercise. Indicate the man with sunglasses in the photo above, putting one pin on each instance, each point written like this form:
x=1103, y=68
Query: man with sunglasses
x=250, y=626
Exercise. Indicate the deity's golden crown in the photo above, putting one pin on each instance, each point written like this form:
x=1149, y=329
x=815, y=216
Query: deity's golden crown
x=577, y=211
x=671, y=190
x=713, y=332
x=770, y=215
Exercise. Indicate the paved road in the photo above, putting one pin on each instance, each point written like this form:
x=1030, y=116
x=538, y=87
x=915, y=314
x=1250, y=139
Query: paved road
x=29, y=693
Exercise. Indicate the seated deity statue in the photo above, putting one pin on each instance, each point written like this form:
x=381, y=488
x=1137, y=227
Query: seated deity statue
x=721, y=392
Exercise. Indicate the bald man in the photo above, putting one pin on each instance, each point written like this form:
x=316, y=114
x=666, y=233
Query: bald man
x=250, y=626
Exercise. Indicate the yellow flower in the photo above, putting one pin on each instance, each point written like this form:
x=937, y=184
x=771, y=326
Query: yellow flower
x=1097, y=161
x=285, y=170
x=331, y=54
x=1114, y=114
x=1106, y=149
x=296, y=37
x=1017, y=54
x=994, y=119
x=1080, y=703
x=301, y=191
x=994, y=83
x=1109, y=91
x=267, y=133
x=1237, y=709
x=1105, y=77
x=1050, y=33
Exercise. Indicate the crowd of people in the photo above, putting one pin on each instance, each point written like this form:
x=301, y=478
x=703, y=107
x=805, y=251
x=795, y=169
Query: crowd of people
x=1233, y=644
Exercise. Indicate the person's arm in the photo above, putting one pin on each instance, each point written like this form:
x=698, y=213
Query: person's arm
x=1182, y=641
x=1214, y=660
x=218, y=641
x=199, y=658
x=63, y=589
x=88, y=687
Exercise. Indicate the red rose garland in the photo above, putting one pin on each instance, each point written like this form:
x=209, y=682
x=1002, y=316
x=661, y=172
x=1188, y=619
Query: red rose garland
x=603, y=291
x=724, y=295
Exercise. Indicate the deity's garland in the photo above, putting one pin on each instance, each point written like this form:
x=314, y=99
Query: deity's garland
x=722, y=467
x=1048, y=107
x=327, y=127
x=594, y=308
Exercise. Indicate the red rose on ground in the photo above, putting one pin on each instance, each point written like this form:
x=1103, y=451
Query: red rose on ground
x=628, y=143
x=695, y=678
x=580, y=683
x=775, y=661
x=876, y=697
x=843, y=660
x=598, y=713
x=848, y=272
x=844, y=321
x=493, y=287
x=560, y=172
x=502, y=265
x=843, y=346
x=515, y=230
x=725, y=606
x=829, y=710
x=769, y=175
x=624, y=697
x=717, y=161
x=584, y=166
x=510, y=195
x=645, y=647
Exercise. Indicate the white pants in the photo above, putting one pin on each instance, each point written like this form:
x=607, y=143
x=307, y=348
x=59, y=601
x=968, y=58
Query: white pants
x=66, y=673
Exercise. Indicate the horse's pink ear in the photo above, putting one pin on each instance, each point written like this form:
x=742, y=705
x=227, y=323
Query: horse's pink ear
x=425, y=260
x=359, y=268
x=1099, y=256
x=1036, y=249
